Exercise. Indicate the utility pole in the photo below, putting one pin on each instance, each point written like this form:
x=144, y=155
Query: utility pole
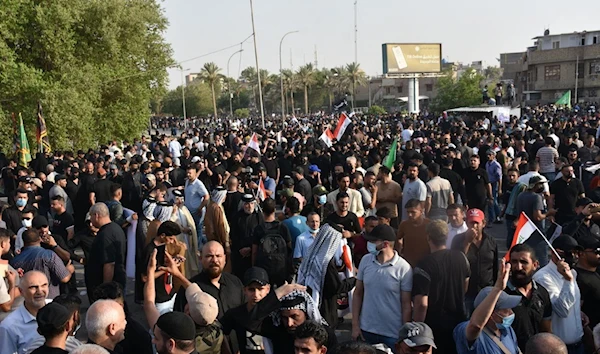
x=260, y=95
x=576, y=77
x=281, y=76
x=355, y=32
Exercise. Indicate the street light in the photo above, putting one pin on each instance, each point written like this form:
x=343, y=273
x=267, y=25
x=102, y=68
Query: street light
x=262, y=109
x=229, y=83
x=183, y=95
x=281, y=75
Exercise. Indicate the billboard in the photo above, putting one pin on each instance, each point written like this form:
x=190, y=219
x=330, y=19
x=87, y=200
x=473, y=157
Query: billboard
x=412, y=58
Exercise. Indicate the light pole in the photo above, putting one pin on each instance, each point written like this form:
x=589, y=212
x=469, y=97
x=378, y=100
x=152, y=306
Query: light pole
x=229, y=83
x=281, y=76
x=183, y=96
x=260, y=95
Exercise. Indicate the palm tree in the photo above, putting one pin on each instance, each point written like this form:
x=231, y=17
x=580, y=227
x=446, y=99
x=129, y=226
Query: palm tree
x=210, y=74
x=356, y=76
x=249, y=76
x=306, y=77
x=289, y=84
x=329, y=83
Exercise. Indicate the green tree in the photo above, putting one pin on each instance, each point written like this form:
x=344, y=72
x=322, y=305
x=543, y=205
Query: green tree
x=461, y=92
x=242, y=113
x=377, y=110
x=210, y=74
x=197, y=100
x=306, y=78
x=94, y=65
x=289, y=85
x=356, y=76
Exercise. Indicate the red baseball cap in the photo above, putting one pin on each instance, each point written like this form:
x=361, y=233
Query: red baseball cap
x=475, y=215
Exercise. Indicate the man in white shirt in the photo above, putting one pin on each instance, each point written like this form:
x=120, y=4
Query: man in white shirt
x=456, y=222
x=559, y=279
x=20, y=327
x=356, y=204
x=175, y=148
x=534, y=168
x=306, y=239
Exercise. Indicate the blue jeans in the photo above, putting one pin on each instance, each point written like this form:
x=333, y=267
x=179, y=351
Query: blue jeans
x=373, y=339
x=494, y=209
x=550, y=176
x=199, y=221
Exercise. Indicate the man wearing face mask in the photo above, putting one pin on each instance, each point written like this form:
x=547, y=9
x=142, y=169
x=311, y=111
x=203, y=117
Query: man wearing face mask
x=318, y=203
x=534, y=313
x=559, y=279
x=12, y=215
x=489, y=330
x=564, y=193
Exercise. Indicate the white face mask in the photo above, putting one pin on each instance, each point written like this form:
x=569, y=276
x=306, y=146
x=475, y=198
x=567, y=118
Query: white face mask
x=26, y=223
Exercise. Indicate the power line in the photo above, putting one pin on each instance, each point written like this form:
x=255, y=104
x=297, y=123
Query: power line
x=216, y=51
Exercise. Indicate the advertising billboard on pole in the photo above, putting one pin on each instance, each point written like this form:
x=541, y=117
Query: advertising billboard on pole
x=412, y=58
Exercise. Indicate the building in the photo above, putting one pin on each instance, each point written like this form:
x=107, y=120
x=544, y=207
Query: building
x=191, y=77
x=555, y=64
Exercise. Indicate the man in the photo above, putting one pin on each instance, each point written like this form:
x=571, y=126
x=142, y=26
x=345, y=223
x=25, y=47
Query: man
x=12, y=215
x=456, y=222
x=531, y=203
x=306, y=239
x=165, y=295
x=272, y=246
x=439, y=284
x=583, y=225
x=547, y=157
x=318, y=204
x=564, y=193
x=589, y=152
x=477, y=183
x=115, y=207
x=512, y=189
x=240, y=234
x=344, y=217
x=588, y=279
x=177, y=175
x=233, y=199
x=63, y=224
x=439, y=194
x=100, y=191
x=55, y=322
x=489, y=330
x=59, y=189
x=314, y=175
x=559, y=279
x=268, y=182
x=494, y=171
x=302, y=184
x=115, y=176
x=388, y=193
x=412, y=243
x=482, y=253
x=107, y=257
x=8, y=281
x=310, y=338
x=382, y=297
x=360, y=243
x=19, y=328
x=34, y=257
x=369, y=193
x=456, y=181
x=534, y=168
x=225, y=287
x=414, y=188
x=417, y=338
x=534, y=313
x=105, y=323
x=355, y=204
x=196, y=199
x=174, y=333
x=545, y=343
x=295, y=223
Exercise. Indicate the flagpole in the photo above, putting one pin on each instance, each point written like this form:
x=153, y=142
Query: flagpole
x=543, y=236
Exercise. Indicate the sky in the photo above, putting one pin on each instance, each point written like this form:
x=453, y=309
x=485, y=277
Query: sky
x=469, y=30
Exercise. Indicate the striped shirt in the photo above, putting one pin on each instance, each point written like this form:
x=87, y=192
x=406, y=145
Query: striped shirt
x=45, y=261
x=546, y=155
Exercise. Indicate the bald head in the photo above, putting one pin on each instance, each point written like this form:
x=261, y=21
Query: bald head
x=105, y=322
x=545, y=343
x=213, y=259
x=99, y=215
x=34, y=288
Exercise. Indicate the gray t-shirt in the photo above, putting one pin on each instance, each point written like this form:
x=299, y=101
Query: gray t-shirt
x=381, y=311
x=528, y=202
x=413, y=190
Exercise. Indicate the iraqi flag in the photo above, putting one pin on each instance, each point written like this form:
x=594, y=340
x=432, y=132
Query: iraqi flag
x=253, y=143
x=327, y=137
x=262, y=191
x=524, y=231
x=343, y=123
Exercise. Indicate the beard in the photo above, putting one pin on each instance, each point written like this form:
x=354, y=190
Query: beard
x=213, y=271
x=520, y=279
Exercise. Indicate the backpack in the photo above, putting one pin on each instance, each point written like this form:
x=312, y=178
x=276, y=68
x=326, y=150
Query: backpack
x=272, y=253
x=209, y=338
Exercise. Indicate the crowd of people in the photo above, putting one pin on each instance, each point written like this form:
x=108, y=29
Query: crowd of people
x=236, y=238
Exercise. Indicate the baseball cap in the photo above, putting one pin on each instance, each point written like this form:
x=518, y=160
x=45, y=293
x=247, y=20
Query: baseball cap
x=490, y=152
x=178, y=325
x=583, y=202
x=25, y=179
x=37, y=182
x=416, y=334
x=195, y=159
x=505, y=301
x=39, y=221
x=535, y=180
x=314, y=168
x=59, y=177
x=566, y=243
x=475, y=215
x=381, y=232
x=52, y=316
x=256, y=275
x=113, y=167
x=589, y=242
x=203, y=307
x=286, y=192
x=319, y=190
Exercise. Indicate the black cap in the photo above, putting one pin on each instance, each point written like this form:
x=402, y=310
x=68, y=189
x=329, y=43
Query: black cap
x=177, y=325
x=261, y=167
x=566, y=243
x=26, y=179
x=589, y=242
x=583, y=202
x=59, y=177
x=52, y=316
x=381, y=232
x=256, y=275
x=39, y=221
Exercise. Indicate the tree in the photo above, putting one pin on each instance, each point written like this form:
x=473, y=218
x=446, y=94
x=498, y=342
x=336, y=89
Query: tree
x=306, y=77
x=356, y=76
x=210, y=74
x=461, y=92
x=197, y=100
x=94, y=65
x=377, y=110
x=242, y=113
x=289, y=84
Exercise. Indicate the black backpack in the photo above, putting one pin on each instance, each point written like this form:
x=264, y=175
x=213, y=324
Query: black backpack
x=272, y=253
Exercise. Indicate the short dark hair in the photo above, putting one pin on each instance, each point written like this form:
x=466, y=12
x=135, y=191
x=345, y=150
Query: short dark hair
x=385, y=170
x=31, y=236
x=342, y=175
x=412, y=203
x=474, y=156
x=565, y=166
x=192, y=166
x=293, y=204
x=356, y=348
x=370, y=173
x=109, y=291
x=522, y=247
x=314, y=330
x=384, y=212
x=268, y=206
x=59, y=198
x=370, y=218
x=183, y=345
x=434, y=168
x=455, y=206
x=341, y=195
x=70, y=301
x=114, y=188
x=6, y=234
x=411, y=164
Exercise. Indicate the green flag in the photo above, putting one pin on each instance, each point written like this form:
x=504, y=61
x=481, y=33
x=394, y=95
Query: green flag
x=565, y=100
x=23, y=153
x=391, y=156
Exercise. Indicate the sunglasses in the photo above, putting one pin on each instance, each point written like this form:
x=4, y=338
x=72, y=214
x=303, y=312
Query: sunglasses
x=596, y=251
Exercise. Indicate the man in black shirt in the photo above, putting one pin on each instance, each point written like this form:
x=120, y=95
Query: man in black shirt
x=534, y=313
x=101, y=189
x=343, y=217
x=302, y=184
x=232, y=200
x=439, y=284
x=588, y=279
x=456, y=181
x=477, y=183
x=241, y=233
x=55, y=322
x=107, y=256
x=63, y=224
x=564, y=193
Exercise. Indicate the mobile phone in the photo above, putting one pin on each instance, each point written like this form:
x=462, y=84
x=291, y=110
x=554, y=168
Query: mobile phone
x=595, y=210
x=160, y=255
x=400, y=60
